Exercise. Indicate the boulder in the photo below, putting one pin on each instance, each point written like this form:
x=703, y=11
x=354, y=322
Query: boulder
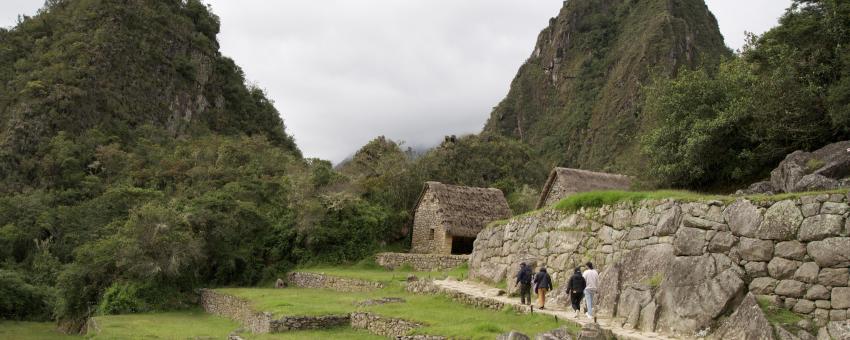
x=631, y=271
x=839, y=330
x=790, y=288
x=817, y=292
x=783, y=334
x=804, y=307
x=815, y=182
x=831, y=162
x=808, y=272
x=831, y=252
x=689, y=241
x=695, y=291
x=792, y=250
x=834, y=277
x=722, y=242
x=758, y=188
x=834, y=208
x=557, y=334
x=840, y=298
x=819, y=227
x=763, y=285
x=752, y=249
x=743, y=217
x=756, y=269
x=592, y=331
x=781, y=222
x=780, y=268
x=747, y=322
x=810, y=209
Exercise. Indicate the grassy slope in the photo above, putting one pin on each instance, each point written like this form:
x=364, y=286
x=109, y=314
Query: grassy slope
x=31, y=331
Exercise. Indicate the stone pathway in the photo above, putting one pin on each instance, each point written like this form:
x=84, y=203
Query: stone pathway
x=480, y=290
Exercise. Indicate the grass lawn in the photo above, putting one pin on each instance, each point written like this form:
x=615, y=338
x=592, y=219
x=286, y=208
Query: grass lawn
x=32, y=331
x=440, y=315
x=336, y=333
x=169, y=325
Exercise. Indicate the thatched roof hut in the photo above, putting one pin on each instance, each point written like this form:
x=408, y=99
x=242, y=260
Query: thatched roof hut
x=564, y=182
x=448, y=214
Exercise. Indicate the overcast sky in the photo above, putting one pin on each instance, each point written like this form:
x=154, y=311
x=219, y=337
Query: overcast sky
x=343, y=72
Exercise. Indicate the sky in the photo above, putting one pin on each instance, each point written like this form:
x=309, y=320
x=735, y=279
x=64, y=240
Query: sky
x=343, y=72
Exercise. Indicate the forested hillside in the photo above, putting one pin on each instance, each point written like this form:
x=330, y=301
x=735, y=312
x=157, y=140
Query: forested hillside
x=137, y=166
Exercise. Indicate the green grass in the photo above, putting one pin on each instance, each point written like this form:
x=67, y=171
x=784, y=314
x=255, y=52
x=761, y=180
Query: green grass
x=780, y=316
x=381, y=274
x=655, y=280
x=31, y=331
x=335, y=333
x=169, y=325
x=439, y=314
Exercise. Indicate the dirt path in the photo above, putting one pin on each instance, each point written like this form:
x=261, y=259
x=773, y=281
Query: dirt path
x=480, y=290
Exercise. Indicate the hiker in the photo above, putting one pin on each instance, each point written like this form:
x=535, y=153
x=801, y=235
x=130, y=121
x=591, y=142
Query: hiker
x=591, y=278
x=523, y=279
x=575, y=288
x=542, y=284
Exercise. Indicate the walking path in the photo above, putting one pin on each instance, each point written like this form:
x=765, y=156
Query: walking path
x=480, y=290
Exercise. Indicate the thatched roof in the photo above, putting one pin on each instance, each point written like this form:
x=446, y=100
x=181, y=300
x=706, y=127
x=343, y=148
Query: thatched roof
x=572, y=181
x=465, y=211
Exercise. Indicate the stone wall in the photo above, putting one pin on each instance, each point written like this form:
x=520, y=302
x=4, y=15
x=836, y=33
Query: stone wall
x=382, y=326
x=341, y=284
x=428, y=235
x=292, y=323
x=428, y=287
x=236, y=309
x=421, y=262
x=677, y=267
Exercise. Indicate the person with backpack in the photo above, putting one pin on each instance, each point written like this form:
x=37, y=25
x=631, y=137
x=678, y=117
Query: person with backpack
x=575, y=289
x=523, y=279
x=591, y=278
x=542, y=284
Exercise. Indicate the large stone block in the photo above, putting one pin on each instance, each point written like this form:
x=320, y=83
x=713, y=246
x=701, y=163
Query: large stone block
x=818, y=292
x=743, y=217
x=752, y=249
x=780, y=268
x=781, y=222
x=756, y=269
x=804, y=306
x=722, y=242
x=840, y=297
x=834, y=277
x=834, y=208
x=792, y=250
x=763, y=286
x=831, y=252
x=747, y=322
x=689, y=241
x=819, y=227
x=790, y=288
x=669, y=221
x=808, y=272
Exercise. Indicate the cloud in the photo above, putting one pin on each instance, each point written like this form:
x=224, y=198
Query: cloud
x=343, y=72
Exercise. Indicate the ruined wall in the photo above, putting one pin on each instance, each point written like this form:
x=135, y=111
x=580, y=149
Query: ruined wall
x=341, y=284
x=383, y=326
x=421, y=262
x=677, y=267
x=236, y=309
x=425, y=219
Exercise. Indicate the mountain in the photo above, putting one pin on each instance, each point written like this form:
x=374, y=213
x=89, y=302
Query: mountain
x=118, y=66
x=577, y=99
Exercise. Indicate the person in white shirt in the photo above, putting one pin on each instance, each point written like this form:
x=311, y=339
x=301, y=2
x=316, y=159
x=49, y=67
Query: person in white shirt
x=591, y=277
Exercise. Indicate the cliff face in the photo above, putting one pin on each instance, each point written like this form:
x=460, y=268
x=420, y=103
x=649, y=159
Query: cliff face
x=577, y=99
x=681, y=267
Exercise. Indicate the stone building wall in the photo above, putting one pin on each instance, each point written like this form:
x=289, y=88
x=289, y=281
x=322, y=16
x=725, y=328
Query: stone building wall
x=425, y=219
x=677, y=267
x=421, y=262
x=341, y=284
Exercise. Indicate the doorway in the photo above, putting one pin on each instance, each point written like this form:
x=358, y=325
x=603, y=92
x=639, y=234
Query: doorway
x=462, y=245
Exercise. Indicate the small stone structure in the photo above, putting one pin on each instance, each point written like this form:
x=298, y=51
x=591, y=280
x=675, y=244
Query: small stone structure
x=383, y=326
x=448, y=217
x=421, y=262
x=239, y=310
x=564, y=182
x=676, y=267
x=322, y=281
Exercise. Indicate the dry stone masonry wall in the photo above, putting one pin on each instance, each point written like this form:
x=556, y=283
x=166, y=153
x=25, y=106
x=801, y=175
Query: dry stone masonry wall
x=383, y=326
x=678, y=267
x=341, y=284
x=421, y=262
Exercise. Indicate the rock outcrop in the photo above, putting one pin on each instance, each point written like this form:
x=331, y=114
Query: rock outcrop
x=823, y=169
x=680, y=268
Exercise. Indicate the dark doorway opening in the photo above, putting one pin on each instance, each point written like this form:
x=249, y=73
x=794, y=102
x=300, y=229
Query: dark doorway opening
x=462, y=245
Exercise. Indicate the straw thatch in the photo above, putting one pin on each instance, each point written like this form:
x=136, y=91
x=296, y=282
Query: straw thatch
x=564, y=182
x=465, y=211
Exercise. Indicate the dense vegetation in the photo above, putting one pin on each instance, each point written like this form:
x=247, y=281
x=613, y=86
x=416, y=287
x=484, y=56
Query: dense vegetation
x=788, y=90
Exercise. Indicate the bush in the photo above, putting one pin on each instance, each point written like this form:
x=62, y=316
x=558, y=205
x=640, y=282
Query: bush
x=122, y=298
x=20, y=300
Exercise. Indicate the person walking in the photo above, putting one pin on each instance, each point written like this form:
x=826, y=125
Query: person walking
x=523, y=279
x=591, y=279
x=542, y=284
x=575, y=288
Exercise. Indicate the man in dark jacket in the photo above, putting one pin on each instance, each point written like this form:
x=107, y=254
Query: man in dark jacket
x=523, y=279
x=542, y=284
x=575, y=288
